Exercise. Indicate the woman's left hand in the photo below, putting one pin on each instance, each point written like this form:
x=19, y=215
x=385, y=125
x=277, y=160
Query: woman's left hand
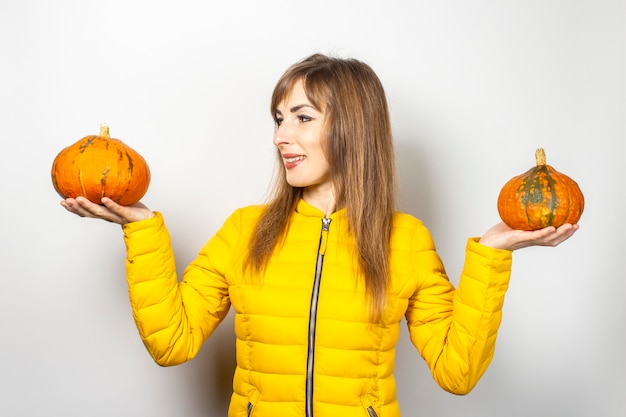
x=502, y=236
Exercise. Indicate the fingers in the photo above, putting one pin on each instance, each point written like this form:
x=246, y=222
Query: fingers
x=559, y=235
x=503, y=237
x=548, y=236
x=85, y=208
x=72, y=205
x=109, y=210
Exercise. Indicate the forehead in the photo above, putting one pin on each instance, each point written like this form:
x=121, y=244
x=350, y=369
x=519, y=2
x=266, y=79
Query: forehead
x=298, y=96
x=296, y=93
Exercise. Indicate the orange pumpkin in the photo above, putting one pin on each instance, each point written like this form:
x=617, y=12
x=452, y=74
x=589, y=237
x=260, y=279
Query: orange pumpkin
x=540, y=197
x=99, y=166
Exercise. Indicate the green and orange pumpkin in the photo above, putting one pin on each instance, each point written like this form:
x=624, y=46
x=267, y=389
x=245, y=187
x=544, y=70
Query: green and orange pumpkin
x=540, y=197
x=99, y=166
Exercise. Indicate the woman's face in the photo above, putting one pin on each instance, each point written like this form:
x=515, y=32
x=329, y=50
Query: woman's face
x=300, y=137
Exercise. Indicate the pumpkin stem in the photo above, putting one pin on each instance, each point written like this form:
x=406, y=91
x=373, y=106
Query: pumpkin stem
x=104, y=131
x=540, y=157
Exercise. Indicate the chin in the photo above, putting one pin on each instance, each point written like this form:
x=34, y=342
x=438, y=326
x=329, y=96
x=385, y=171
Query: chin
x=297, y=183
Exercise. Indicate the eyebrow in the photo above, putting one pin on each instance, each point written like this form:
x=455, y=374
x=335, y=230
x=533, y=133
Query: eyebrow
x=296, y=108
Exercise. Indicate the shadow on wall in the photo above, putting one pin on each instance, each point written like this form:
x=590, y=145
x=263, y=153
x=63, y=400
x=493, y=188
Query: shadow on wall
x=211, y=376
x=414, y=182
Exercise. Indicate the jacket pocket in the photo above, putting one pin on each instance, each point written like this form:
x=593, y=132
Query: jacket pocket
x=252, y=401
x=371, y=412
x=368, y=406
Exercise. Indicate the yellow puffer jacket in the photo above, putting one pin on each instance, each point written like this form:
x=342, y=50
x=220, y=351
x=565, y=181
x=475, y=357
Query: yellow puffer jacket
x=305, y=346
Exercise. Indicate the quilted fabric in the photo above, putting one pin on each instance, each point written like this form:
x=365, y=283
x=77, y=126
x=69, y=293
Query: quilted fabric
x=453, y=329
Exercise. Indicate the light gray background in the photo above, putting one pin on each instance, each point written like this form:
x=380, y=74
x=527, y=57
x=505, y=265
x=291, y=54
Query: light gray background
x=474, y=88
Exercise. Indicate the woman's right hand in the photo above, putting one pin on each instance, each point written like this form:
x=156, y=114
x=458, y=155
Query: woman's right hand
x=109, y=210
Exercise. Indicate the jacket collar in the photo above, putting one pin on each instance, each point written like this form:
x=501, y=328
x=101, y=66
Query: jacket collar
x=305, y=209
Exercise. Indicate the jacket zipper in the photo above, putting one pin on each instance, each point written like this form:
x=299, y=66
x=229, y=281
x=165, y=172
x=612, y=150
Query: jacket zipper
x=371, y=412
x=310, y=360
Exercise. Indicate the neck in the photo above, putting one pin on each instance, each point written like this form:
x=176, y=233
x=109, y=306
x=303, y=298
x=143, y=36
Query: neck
x=323, y=200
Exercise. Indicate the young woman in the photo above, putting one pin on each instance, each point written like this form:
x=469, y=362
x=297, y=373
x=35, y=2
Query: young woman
x=321, y=276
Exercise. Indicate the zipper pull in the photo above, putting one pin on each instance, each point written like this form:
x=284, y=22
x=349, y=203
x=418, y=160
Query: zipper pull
x=326, y=224
x=371, y=412
x=324, y=236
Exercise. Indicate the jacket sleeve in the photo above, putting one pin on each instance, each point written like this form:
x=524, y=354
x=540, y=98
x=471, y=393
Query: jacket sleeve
x=175, y=318
x=455, y=329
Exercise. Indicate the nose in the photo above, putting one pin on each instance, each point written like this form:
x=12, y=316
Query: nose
x=282, y=135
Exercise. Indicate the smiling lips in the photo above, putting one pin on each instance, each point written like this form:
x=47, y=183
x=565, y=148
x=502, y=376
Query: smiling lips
x=291, y=160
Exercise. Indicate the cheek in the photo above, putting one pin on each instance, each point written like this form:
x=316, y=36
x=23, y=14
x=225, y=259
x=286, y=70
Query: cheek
x=323, y=167
x=322, y=148
x=321, y=161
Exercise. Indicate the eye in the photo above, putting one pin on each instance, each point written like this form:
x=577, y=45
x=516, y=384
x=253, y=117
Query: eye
x=304, y=118
x=278, y=120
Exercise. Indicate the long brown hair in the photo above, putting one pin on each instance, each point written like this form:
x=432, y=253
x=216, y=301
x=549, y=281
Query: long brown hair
x=360, y=154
